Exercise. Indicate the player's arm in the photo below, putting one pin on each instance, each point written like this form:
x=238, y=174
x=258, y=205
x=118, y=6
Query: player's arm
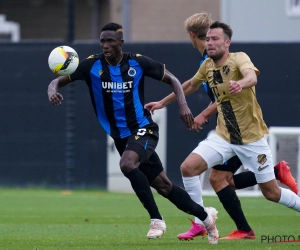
x=204, y=116
x=249, y=80
x=179, y=95
x=188, y=87
x=54, y=97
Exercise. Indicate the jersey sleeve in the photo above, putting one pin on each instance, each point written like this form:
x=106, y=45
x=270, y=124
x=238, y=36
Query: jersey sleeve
x=82, y=71
x=244, y=62
x=200, y=75
x=151, y=68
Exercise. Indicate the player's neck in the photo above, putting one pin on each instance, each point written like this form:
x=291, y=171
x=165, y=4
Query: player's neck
x=115, y=61
x=201, y=46
x=220, y=61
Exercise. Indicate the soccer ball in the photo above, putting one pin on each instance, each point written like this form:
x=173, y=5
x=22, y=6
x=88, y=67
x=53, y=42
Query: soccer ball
x=63, y=60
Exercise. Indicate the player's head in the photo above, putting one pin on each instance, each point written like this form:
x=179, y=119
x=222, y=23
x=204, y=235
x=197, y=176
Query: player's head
x=218, y=40
x=111, y=39
x=197, y=26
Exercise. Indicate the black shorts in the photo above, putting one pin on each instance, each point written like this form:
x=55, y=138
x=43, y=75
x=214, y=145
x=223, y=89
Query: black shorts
x=143, y=143
x=232, y=165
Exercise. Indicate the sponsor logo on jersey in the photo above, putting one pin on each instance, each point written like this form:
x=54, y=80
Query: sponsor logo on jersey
x=262, y=159
x=260, y=168
x=117, y=87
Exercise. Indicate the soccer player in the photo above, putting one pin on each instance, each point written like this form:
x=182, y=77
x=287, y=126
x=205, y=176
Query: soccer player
x=240, y=127
x=222, y=177
x=116, y=83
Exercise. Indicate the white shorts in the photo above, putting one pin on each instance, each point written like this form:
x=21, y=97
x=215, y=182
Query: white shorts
x=255, y=156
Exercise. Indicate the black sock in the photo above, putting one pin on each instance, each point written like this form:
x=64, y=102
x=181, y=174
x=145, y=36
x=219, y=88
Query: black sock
x=247, y=179
x=276, y=173
x=232, y=205
x=244, y=180
x=142, y=189
x=181, y=199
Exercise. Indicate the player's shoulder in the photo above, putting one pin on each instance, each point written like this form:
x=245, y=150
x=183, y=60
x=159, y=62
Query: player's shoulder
x=134, y=56
x=239, y=54
x=90, y=59
x=141, y=60
x=94, y=56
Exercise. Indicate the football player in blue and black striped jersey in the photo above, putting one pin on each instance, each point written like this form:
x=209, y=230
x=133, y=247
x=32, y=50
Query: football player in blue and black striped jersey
x=116, y=84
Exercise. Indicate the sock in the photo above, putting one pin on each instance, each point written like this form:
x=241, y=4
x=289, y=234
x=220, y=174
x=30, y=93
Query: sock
x=142, y=189
x=276, y=172
x=289, y=199
x=180, y=198
x=232, y=205
x=244, y=180
x=193, y=187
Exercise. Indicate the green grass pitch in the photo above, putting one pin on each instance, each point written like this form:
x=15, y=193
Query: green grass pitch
x=36, y=219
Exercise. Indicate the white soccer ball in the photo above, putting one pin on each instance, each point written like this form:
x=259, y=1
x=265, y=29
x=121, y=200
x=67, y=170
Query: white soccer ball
x=63, y=60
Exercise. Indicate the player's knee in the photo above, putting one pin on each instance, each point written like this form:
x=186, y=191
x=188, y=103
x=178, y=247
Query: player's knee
x=215, y=178
x=185, y=169
x=126, y=165
x=218, y=180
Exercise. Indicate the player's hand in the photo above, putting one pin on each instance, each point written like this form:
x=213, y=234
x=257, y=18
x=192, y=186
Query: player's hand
x=151, y=106
x=199, y=121
x=186, y=115
x=55, y=98
x=234, y=87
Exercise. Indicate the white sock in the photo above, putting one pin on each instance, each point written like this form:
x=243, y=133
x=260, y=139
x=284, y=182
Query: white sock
x=289, y=199
x=193, y=187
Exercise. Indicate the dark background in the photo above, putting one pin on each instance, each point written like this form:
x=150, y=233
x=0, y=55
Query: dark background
x=64, y=146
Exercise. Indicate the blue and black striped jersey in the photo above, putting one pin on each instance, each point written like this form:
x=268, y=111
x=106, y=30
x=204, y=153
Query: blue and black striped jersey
x=117, y=92
x=204, y=84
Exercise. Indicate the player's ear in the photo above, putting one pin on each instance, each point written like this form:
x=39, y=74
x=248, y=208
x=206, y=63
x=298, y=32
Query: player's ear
x=228, y=41
x=192, y=34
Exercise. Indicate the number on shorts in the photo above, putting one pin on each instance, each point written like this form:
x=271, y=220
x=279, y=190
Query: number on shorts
x=141, y=132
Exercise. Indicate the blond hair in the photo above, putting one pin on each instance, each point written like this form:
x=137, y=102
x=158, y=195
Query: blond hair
x=199, y=24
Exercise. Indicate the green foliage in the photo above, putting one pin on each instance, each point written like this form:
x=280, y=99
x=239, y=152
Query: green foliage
x=48, y=219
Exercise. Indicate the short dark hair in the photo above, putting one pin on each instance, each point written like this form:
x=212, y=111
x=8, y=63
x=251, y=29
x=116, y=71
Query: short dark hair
x=225, y=27
x=114, y=27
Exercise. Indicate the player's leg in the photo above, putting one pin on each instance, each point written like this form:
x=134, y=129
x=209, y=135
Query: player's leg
x=211, y=152
x=133, y=153
x=257, y=157
x=178, y=196
x=193, y=187
x=282, y=173
x=219, y=177
x=273, y=192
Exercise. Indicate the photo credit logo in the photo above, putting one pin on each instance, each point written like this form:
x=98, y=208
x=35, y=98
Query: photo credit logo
x=279, y=238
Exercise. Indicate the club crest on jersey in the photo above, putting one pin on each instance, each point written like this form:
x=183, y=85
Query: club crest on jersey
x=131, y=72
x=262, y=159
x=226, y=69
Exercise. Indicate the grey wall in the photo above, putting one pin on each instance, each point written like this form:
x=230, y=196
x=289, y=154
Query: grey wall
x=260, y=21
